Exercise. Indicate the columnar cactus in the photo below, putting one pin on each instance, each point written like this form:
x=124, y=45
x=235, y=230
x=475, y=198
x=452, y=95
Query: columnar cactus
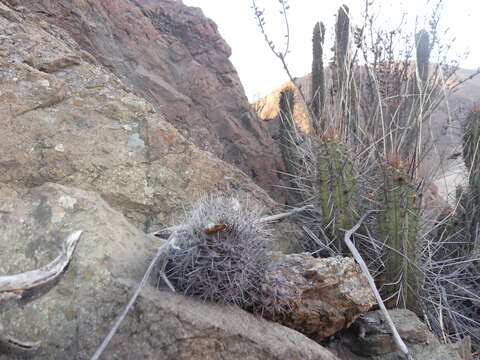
x=318, y=75
x=398, y=227
x=471, y=153
x=342, y=43
x=336, y=188
x=288, y=132
x=422, y=46
x=345, y=92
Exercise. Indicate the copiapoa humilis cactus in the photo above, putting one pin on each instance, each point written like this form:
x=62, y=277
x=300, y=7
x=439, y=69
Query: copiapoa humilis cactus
x=221, y=255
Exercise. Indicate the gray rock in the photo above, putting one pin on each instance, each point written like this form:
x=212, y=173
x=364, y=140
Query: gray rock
x=370, y=338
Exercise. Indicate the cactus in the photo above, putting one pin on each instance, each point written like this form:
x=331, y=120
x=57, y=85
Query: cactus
x=220, y=255
x=398, y=226
x=336, y=188
x=318, y=76
x=342, y=43
x=345, y=91
x=471, y=152
x=288, y=131
x=422, y=46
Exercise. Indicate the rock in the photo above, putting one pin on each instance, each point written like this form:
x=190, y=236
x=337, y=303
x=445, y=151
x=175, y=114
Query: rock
x=173, y=56
x=67, y=120
x=375, y=336
x=370, y=338
x=72, y=318
x=332, y=293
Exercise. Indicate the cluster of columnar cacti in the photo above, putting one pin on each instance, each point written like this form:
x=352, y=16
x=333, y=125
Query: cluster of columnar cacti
x=398, y=227
x=338, y=191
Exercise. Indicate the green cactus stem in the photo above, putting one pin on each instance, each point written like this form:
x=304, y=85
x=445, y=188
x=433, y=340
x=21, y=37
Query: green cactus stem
x=288, y=132
x=398, y=226
x=318, y=76
x=423, y=48
x=336, y=189
x=343, y=81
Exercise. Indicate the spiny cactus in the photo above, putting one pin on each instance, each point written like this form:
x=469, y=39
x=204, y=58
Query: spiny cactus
x=346, y=120
x=398, y=227
x=336, y=188
x=220, y=255
x=471, y=153
x=422, y=46
x=318, y=76
x=288, y=132
x=342, y=43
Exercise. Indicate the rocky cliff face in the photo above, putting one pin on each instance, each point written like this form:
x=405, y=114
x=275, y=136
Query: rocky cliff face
x=68, y=120
x=173, y=56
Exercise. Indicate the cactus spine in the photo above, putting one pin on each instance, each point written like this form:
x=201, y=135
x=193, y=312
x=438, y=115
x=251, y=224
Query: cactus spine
x=398, y=226
x=318, y=76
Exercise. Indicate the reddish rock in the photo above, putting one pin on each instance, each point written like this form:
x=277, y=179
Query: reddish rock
x=330, y=293
x=174, y=56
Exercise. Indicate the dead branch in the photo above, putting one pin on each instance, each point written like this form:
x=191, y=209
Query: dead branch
x=12, y=343
x=12, y=286
x=44, y=275
x=166, y=232
x=398, y=340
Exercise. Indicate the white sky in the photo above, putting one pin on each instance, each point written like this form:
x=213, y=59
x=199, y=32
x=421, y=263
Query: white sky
x=261, y=72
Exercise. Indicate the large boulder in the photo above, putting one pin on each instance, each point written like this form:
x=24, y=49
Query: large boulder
x=68, y=120
x=174, y=56
x=74, y=315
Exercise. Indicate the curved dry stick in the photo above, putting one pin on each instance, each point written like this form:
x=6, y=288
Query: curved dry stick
x=371, y=282
x=11, y=285
x=44, y=275
x=19, y=345
x=166, y=232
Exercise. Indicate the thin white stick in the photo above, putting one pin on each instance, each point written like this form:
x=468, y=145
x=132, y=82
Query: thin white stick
x=115, y=327
x=266, y=219
x=371, y=282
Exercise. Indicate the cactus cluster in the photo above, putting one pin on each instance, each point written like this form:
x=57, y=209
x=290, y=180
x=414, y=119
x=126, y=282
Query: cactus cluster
x=410, y=263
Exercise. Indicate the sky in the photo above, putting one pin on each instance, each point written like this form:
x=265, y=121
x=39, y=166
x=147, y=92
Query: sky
x=261, y=72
